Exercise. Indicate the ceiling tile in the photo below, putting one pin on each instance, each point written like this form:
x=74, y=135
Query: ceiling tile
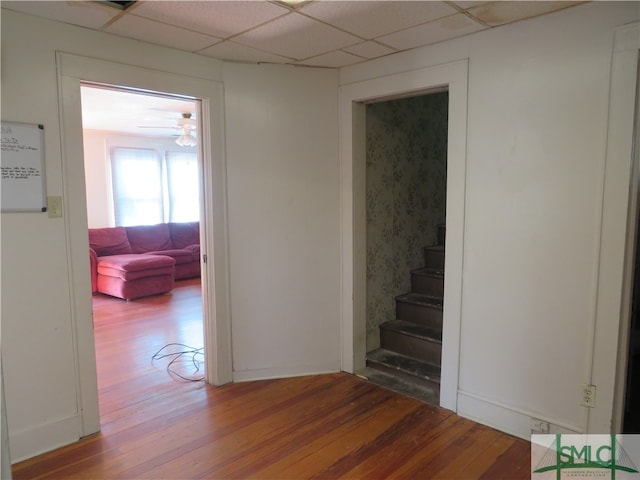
x=369, y=50
x=335, y=59
x=500, y=13
x=217, y=18
x=84, y=14
x=154, y=32
x=229, y=50
x=297, y=36
x=370, y=19
x=270, y=31
x=465, y=5
x=444, y=29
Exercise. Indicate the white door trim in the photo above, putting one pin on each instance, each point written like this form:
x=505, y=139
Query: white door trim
x=353, y=210
x=614, y=274
x=72, y=69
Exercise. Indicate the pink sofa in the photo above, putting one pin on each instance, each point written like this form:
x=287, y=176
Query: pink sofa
x=134, y=262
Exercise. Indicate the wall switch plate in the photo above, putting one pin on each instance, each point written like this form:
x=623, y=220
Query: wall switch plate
x=54, y=207
x=588, y=396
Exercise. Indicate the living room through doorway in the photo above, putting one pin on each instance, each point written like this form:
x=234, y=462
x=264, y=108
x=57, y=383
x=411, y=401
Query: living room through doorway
x=142, y=168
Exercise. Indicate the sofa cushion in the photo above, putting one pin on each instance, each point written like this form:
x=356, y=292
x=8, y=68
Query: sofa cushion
x=149, y=238
x=135, y=288
x=134, y=266
x=187, y=270
x=184, y=234
x=180, y=256
x=109, y=241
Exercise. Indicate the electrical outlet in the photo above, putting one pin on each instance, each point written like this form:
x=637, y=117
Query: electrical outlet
x=588, y=396
x=539, y=426
x=54, y=207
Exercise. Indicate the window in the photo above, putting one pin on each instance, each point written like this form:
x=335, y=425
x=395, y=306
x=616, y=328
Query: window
x=153, y=187
x=183, y=191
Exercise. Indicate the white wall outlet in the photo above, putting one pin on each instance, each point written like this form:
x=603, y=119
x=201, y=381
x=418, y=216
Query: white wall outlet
x=54, y=207
x=588, y=396
x=539, y=426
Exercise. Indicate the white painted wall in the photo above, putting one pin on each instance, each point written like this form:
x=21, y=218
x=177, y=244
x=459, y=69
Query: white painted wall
x=283, y=170
x=97, y=174
x=537, y=125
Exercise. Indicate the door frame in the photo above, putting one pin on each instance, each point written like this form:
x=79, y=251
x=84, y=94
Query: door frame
x=71, y=71
x=615, y=271
x=353, y=98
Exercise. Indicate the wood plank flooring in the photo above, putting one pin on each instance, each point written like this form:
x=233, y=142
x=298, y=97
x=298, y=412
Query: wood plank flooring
x=158, y=426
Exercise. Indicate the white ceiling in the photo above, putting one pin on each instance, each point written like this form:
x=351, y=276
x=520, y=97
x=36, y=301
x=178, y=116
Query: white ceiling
x=134, y=113
x=322, y=33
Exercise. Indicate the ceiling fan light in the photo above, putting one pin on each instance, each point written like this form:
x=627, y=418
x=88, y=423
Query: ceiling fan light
x=186, y=140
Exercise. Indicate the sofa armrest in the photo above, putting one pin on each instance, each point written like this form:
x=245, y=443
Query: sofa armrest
x=93, y=262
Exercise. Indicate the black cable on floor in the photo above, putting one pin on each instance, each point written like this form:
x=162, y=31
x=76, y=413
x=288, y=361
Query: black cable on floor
x=197, y=358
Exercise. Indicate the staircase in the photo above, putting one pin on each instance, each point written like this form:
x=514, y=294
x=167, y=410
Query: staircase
x=410, y=352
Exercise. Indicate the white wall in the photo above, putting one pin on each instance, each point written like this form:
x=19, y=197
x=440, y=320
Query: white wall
x=97, y=169
x=97, y=174
x=537, y=124
x=283, y=171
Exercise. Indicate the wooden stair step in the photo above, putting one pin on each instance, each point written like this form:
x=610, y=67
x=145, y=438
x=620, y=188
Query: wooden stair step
x=422, y=332
x=429, y=272
x=420, y=299
x=434, y=257
x=428, y=281
x=409, y=367
x=413, y=340
x=418, y=308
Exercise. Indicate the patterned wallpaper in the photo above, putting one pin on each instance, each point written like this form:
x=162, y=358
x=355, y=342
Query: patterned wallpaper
x=406, y=196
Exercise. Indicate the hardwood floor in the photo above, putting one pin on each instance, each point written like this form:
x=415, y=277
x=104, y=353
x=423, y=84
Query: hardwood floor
x=324, y=426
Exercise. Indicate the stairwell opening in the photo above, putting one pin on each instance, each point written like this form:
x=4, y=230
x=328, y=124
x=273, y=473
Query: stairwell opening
x=406, y=168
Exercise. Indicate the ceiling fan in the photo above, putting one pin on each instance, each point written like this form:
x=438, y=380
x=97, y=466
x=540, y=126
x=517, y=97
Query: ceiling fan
x=187, y=127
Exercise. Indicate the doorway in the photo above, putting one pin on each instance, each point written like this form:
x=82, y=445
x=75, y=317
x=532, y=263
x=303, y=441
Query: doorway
x=143, y=174
x=406, y=186
x=631, y=413
x=353, y=99
x=72, y=71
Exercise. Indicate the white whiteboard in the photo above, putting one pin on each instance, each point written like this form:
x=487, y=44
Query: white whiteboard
x=22, y=165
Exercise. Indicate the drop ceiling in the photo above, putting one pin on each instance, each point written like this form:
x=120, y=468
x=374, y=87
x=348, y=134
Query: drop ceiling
x=321, y=33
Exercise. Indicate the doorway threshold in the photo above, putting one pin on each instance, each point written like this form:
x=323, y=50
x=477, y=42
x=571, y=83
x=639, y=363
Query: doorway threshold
x=425, y=393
